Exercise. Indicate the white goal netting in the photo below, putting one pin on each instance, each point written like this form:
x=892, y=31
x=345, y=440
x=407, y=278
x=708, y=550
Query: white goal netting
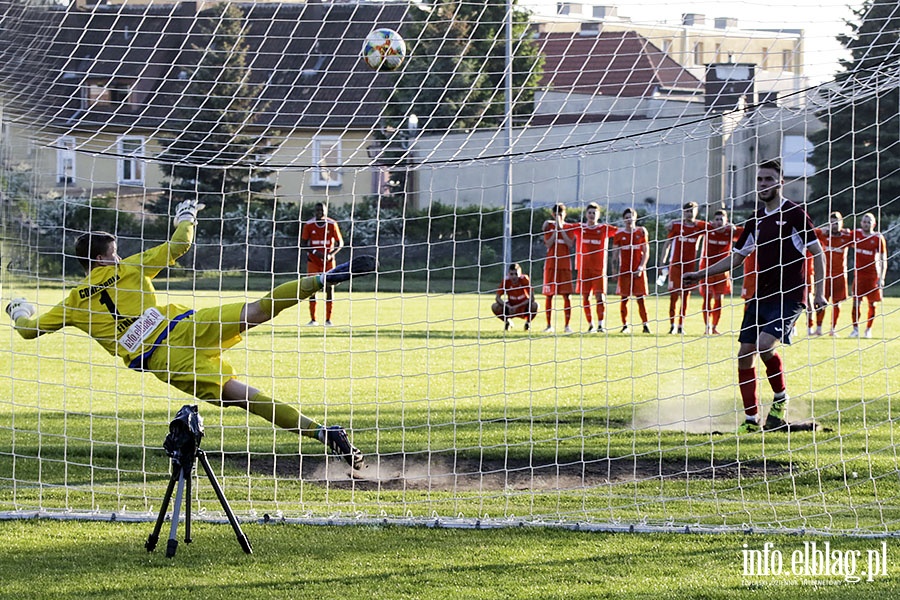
x=446, y=169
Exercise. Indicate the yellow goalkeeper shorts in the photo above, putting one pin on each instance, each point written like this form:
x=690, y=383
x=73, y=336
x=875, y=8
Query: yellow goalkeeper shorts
x=190, y=359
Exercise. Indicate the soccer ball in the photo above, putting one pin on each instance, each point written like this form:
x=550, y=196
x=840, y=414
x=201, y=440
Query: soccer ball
x=384, y=49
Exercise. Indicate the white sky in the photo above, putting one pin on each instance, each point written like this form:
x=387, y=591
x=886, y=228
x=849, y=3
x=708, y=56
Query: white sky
x=821, y=20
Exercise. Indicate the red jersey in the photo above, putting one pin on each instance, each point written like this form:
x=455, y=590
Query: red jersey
x=835, y=247
x=684, y=236
x=748, y=288
x=866, y=248
x=719, y=243
x=631, y=248
x=321, y=237
x=560, y=249
x=591, y=247
x=517, y=290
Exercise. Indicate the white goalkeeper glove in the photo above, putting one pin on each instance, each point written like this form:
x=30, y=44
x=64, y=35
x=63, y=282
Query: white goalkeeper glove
x=187, y=211
x=19, y=308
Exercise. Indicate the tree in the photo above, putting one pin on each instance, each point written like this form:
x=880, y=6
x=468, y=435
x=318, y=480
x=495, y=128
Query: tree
x=208, y=152
x=856, y=155
x=454, y=76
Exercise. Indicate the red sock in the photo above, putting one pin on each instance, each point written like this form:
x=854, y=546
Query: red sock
x=642, y=310
x=548, y=308
x=601, y=311
x=820, y=317
x=673, y=302
x=835, y=313
x=623, y=308
x=747, y=385
x=312, y=310
x=775, y=373
x=854, y=314
x=329, y=304
x=717, y=311
x=567, y=309
x=707, y=301
x=684, y=305
x=871, y=320
x=586, y=306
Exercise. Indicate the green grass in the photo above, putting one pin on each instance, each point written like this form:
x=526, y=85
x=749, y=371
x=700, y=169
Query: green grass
x=639, y=427
x=62, y=560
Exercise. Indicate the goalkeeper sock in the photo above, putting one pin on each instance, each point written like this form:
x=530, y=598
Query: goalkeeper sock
x=282, y=415
x=289, y=294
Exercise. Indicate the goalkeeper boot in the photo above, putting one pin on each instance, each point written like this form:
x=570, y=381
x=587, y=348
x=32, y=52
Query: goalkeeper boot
x=359, y=265
x=338, y=443
x=748, y=427
x=775, y=420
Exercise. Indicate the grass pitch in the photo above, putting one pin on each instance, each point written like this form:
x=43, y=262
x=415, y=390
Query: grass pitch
x=459, y=418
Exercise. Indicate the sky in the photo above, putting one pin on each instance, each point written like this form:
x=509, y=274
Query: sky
x=821, y=20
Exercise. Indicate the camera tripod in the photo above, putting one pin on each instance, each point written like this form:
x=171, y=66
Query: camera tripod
x=183, y=446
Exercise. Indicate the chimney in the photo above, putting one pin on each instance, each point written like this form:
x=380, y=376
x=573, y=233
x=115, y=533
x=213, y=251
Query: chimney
x=726, y=23
x=692, y=19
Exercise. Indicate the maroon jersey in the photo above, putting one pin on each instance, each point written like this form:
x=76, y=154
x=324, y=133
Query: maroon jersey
x=780, y=239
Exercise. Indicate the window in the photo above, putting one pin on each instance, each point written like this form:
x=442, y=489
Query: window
x=131, y=164
x=667, y=46
x=327, y=162
x=65, y=160
x=765, y=59
x=698, y=53
x=718, y=53
x=795, y=152
x=787, y=59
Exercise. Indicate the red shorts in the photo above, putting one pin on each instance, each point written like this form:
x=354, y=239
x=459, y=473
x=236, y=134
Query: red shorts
x=558, y=277
x=675, y=282
x=836, y=288
x=868, y=289
x=630, y=284
x=315, y=265
x=591, y=282
x=521, y=310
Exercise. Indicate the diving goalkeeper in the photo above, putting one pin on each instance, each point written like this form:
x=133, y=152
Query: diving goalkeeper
x=116, y=305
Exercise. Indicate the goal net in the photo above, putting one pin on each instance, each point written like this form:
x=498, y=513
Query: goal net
x=448, y=169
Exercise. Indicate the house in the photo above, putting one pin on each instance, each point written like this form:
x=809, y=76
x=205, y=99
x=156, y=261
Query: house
x=87, y=91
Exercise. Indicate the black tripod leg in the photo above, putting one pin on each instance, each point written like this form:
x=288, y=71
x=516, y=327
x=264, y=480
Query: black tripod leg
x=172, y=546
x=242, y=539
x=154, y=537
x=187, y=509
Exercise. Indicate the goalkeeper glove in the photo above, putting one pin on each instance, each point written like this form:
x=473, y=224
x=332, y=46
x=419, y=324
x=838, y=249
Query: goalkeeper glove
x=19, y=308
x=187, y=211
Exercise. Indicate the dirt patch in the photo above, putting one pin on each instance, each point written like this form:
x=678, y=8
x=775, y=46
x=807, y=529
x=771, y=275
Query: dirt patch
x=466, y=474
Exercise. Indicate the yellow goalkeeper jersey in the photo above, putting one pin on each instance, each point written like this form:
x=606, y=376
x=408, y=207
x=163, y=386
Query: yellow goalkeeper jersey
x=116, y=304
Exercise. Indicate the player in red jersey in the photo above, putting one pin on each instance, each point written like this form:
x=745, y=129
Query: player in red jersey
x=632, y=249
x=590, y=263
x=321, y=240
x=748, y=280
x=720, y=238
x=869, y=269
x=835, y=241
x=519, y=302
x=559, y=237
x=780, y=233
x=680, y=254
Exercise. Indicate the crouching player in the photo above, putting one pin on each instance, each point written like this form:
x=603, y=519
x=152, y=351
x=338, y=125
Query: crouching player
x=519, y=300
x=116, y=304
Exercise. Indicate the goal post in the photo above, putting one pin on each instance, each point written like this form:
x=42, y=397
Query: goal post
x=447, y=170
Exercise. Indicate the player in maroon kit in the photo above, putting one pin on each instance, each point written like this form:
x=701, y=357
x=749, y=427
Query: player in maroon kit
x=781, y=233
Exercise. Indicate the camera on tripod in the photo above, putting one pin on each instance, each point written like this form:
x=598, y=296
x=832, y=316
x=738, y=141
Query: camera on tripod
x=185, y=433
x=183, y=447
